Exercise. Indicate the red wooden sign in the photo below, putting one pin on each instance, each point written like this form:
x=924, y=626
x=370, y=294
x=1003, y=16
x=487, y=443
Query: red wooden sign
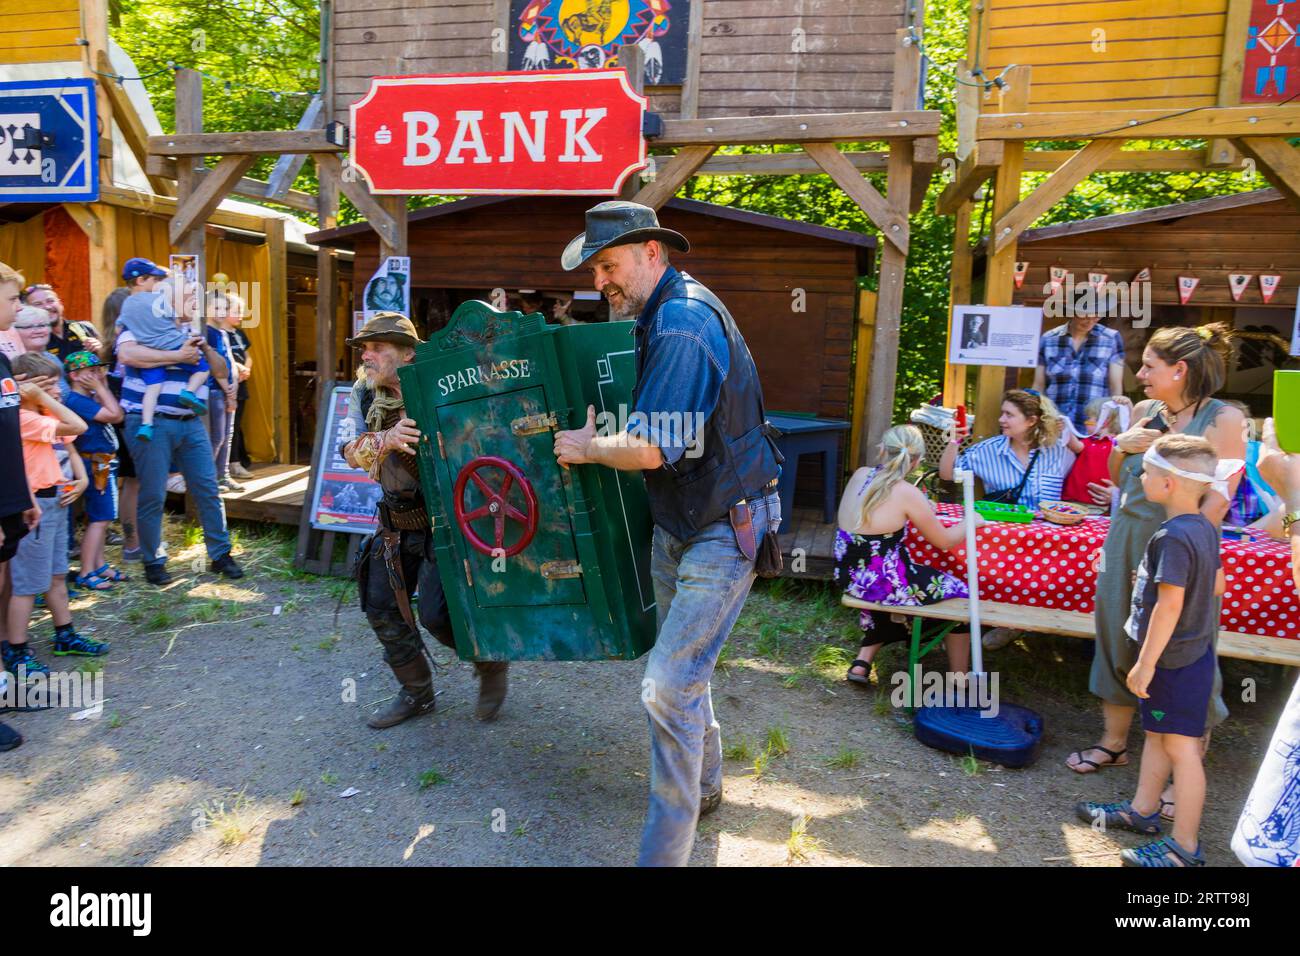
x=541, y=133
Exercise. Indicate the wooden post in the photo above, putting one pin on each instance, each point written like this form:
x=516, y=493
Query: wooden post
x=396, y=207
x=861, y=374
x=632, y=60
x=189, y=119
x=999, y=281
x=95, y=20
x=959, y=293
x=327, y=212
x=278, y=308
x=1221, y=152
x=500, y=21
x=893, y=260
x=690, y=107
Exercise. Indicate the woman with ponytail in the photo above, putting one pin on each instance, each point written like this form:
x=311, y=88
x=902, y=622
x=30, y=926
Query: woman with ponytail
x=1181, y=370
x=871, y=561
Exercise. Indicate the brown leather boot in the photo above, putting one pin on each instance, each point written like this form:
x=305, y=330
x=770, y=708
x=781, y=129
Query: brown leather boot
x=492, y=685
x=415, y=698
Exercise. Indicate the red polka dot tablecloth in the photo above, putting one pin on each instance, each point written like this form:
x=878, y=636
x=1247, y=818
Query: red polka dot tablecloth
x=1048, y=565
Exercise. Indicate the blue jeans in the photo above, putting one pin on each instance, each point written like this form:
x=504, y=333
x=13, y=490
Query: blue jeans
x=700, y=588
x=185, y=442
x=220, y=423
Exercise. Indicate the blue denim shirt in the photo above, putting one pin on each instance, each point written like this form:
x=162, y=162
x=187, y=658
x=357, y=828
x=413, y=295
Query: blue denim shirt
x=686, y=361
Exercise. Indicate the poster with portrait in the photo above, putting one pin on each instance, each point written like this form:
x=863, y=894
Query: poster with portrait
x=183, y=281
x=995, y=335
x=586, y=34
x=358, y=320
x=389, y=289
x=345, y=498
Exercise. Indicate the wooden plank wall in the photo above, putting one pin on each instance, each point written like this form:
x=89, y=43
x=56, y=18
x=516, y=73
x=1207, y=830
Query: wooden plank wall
x=803, y=358
x=758, y=57
x=1264, y=238
x=1153, y=54
x=39, y=31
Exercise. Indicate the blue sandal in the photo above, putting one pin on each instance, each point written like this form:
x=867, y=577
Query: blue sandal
x=110, y=573
x=94, y=581
x=1157, y=854
x=1118, y=816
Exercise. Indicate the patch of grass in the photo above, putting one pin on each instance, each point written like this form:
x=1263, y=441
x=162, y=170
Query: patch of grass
x=329, y=778
x=791, y=680
x=329, y=643
x=770, y=643
x=739, y=750
x=295, y=647
x=160, y=621
x=831, y=657
x=90, y=665
x=845, y=759
x=116, y=720
x=881, y=706
x=970, y=766
x=231, y=824
x=298, y=797
x=726, y=657
x=431, y=778
x=760, y=765
x=380, y=748
x=801, y=844
x=778, y=740
x=193, y=535
x=341, y=590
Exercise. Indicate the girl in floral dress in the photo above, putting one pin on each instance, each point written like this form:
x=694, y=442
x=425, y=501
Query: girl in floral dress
x=871, y=561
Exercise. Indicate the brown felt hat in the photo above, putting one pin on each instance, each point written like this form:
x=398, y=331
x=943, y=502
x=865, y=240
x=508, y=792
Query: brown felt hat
x=387, y=327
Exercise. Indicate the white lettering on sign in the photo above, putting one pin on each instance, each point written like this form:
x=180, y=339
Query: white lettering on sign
x=468, y=136
x=535, y=144
x=482, y=374
x=575, y=136
x=420, y=127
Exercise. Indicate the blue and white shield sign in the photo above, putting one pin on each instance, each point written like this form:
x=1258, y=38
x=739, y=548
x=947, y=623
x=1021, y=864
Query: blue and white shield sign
x=49, y=142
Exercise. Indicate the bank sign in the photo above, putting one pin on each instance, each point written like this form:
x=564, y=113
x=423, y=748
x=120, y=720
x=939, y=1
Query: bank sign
x=543, y=133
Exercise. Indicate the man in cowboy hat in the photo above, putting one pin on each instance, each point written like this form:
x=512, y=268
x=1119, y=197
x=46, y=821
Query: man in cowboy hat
x=698, y=435
x=398, y=559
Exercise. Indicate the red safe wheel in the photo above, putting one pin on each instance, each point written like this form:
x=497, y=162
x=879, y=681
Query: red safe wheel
x=498, y=508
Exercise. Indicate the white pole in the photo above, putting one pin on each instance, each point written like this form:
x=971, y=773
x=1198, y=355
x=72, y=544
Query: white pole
x=967, y=479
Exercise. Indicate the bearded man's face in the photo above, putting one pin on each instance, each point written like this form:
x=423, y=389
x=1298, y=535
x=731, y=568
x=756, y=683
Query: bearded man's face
x=626, y=277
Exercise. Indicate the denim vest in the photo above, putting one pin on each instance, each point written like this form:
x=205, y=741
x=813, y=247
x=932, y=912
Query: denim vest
x=737, y=458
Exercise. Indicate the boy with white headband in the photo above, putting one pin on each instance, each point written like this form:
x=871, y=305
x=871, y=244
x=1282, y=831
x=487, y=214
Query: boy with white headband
x=1175, y=620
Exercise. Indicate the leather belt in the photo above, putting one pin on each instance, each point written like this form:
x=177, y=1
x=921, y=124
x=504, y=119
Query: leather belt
x=408, y=519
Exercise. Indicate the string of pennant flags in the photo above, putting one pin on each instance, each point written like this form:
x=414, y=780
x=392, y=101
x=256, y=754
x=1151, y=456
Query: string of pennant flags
x=1238, y=282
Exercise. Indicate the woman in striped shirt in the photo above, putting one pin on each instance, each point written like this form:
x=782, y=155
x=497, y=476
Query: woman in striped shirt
x=1030, y=441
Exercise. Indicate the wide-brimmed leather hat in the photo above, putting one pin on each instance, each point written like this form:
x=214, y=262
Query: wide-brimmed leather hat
x=618, y=223
x=387, y=327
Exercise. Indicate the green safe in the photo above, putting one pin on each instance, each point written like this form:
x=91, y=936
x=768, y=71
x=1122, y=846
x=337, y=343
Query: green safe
x=538, y=562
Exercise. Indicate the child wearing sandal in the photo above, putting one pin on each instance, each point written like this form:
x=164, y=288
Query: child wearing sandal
x=152, y=320
x=1174, y=618
x=871, y=561
x=89, y=396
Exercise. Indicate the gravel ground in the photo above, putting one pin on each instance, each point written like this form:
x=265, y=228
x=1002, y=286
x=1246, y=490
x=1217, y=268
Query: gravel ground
x=233, y=734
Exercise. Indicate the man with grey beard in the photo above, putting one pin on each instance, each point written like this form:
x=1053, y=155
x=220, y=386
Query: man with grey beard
x=711, y=507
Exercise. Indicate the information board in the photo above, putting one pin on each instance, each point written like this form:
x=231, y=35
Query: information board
x=344, y=499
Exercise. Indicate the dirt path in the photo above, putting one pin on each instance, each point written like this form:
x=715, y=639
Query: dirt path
x=230, y=735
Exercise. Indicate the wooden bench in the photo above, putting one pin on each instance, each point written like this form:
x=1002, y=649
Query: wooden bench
x=1250, y=647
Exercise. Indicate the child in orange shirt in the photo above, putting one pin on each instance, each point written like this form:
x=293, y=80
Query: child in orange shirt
x=41, y=563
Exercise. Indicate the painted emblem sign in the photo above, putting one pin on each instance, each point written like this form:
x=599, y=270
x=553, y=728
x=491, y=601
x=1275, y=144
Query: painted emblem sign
x=49, y=148
x=586, y=34
x=1271, y=71
x=545, y=133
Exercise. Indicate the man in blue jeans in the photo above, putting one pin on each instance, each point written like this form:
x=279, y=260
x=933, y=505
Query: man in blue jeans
x=698, y=434
x=179, y=437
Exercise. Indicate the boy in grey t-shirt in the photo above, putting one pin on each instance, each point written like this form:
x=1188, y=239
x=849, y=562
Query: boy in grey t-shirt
x=1175, y=619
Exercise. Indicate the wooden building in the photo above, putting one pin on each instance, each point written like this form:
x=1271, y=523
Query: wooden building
x=792, y=287
x=1247, y=234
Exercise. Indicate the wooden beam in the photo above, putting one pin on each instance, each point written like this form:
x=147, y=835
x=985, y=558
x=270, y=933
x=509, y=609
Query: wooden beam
x=801, y=128
x=925, y=157
x=892, y=225
x=672, y=174
x=248, y=142
x=90, y=223
x=893, y=255
x=165, y=166
x=278, y=303
x=999, y=283
x=132, y=127
x=972, y=173
x=138, y=201
x=968, y=110
x=794, y=163
x=959, y=293
x=327, y=259
x=1226, y=121
x=501, y=39
x=1221, y=152
x=288, y=166
x=380, y=219
x=94, y=23
x=866, y=326
x=397, y=246
x=1052, y=190
x=631, y=58
x=99, y=224
x=690, y=107
x=1125, y=161
x=207, y=195
x=189, y=122
x=1277, y=160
